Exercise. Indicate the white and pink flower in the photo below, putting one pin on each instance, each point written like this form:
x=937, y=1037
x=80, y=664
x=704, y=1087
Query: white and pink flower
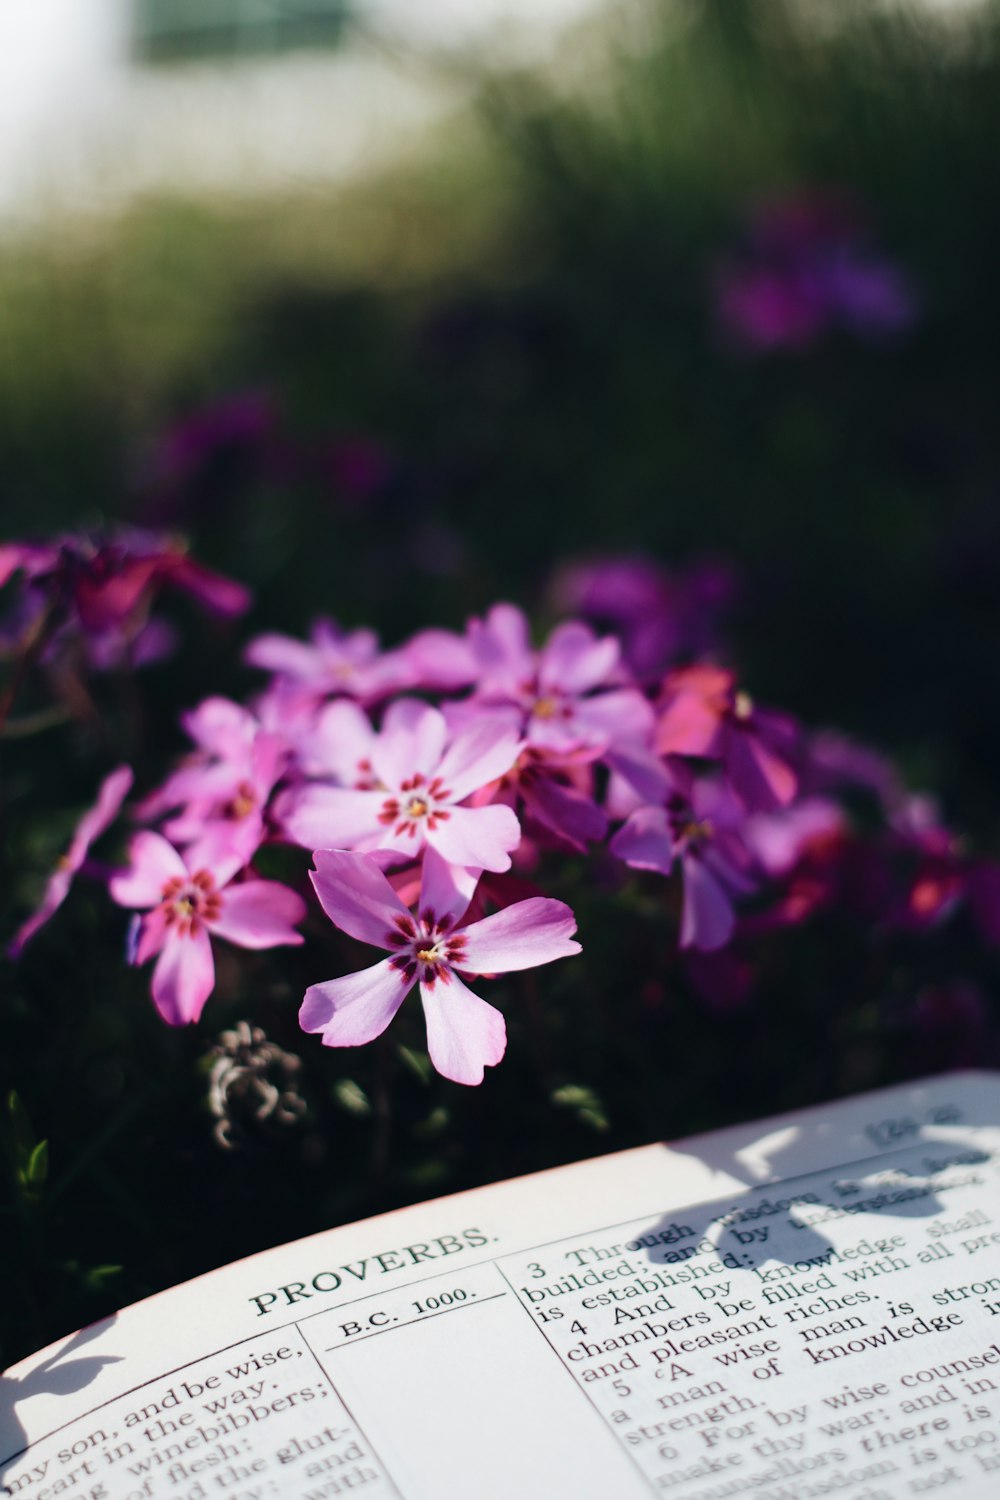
x=465, y=1035
x=186, y=905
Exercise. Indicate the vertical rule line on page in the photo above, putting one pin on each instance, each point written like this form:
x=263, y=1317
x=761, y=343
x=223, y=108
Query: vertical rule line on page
x=647, y=1482
x=338, y=1393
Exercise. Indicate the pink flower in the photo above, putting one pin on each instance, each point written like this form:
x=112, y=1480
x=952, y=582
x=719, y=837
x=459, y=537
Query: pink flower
x=553, y=694
x=703, y=715
x=464, y=1034
x=111, y=794
x=700, y=834
x=223, y=788
x=107, y=583
x=423, y=777
x=332, y=663
x=187, y=904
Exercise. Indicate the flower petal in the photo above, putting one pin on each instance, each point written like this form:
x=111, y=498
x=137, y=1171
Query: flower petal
x=564, y=810
x=645, y=841
x=412, y=739
x=477, y=837
x=574, y=660
x=521, y=936
x=184, y=977
x=464, y=1034
x=259, y=914
x=357, y=1008
x=356, y=896
x=330, y=817
x=707, y=917
x=481, y=752
x=153, y=863
x=445, y=890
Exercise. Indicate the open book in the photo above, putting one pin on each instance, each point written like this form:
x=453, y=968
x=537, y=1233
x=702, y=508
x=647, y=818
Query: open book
x=805, y=1307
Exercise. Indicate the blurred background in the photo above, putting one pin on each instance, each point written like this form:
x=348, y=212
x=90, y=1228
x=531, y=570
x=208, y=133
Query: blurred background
x=398, y=307
x=451, y=280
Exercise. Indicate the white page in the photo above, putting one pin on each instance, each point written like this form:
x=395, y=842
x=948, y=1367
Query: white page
x=803, y=1307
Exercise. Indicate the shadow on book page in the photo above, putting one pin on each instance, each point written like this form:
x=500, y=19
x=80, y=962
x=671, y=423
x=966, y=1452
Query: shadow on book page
x=56, y=1374
x=804, y=1307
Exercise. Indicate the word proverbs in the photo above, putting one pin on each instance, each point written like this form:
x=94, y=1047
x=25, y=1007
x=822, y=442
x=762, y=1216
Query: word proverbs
x=380, y=1264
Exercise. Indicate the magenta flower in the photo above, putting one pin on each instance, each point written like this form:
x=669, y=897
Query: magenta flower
x=186, y=906
x=423, y=778
x=332, y=663
x=565, y=695
x=464, y=1033
x=807, y=268
x=107, y=584
x=111, y=794
x=701, y=835
x=703, y=715
x=223, y=788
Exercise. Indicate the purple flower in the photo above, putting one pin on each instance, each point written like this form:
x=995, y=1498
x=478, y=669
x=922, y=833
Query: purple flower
x=106, y=584
x=657, y=616
x=563, y=696
x=806, y=269
x=704, y=716
x=464, y=1034
x=332, y=663
x=700, y=834
x=423, y=776
x=111, y=794
x=188, y=904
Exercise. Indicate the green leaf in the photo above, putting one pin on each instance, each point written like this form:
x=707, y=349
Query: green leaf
x=351, y=1096
x=36, y=1169
x=417, y=1062
x=584, y=1103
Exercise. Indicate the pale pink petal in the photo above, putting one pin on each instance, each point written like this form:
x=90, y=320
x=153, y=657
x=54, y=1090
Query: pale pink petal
x=223, y=844
x=328, y=817
x=152, y=863
x=357, y=897
x=478, y=837
x=621, y=717
x=259, y=914
x=441, y=660
x=645, y=841
x=521, y=936
x=464, y=1034
x=445, y=890
x=283, y=653
x=357, y=1008
x=220, y=726
x=342, y=738
x=707, y=917
x=184, y=977
x=479, y=754
x=412, y=739
x=574, y=661
x=501, y=645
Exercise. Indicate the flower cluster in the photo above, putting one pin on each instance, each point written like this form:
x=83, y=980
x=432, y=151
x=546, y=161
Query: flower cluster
x=807, y=269
x=440, y=787
x=94, y=594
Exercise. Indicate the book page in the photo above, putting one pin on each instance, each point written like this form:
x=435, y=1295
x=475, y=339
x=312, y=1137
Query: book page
x=805, y=1307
